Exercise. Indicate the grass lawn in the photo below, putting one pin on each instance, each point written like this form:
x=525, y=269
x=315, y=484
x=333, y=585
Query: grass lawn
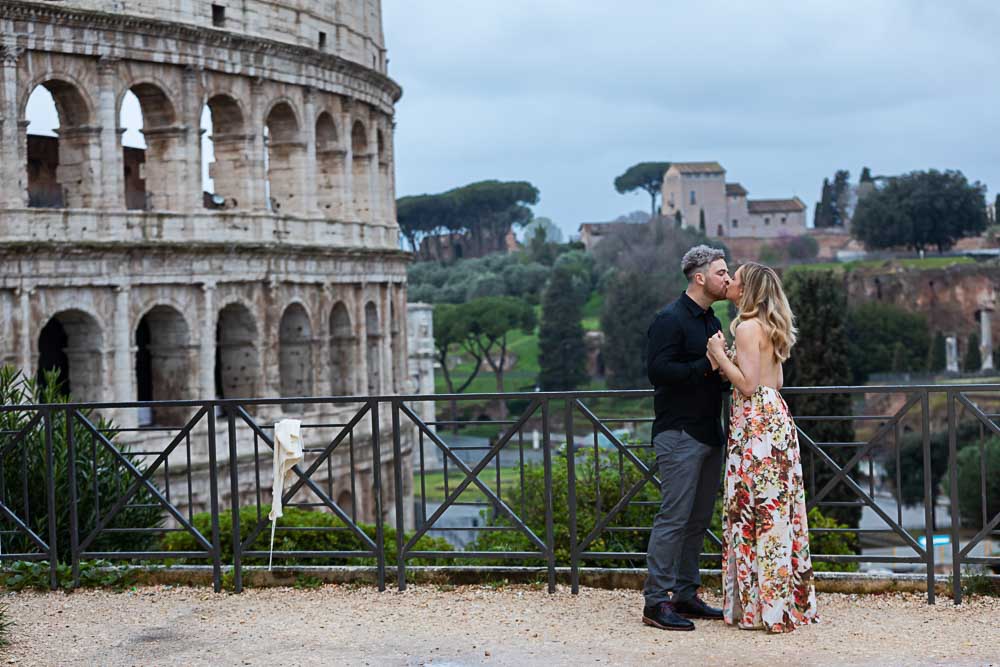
x=909, y=263
x=592, y=312
x=433, y=482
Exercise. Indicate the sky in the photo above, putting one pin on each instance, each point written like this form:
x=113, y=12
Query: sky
x=567, y=94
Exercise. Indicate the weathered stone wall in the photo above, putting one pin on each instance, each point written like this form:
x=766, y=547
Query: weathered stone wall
x=950, y=297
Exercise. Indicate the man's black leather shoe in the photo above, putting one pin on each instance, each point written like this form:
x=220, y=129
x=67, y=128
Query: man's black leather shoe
x=664, y=617
x=696, y=608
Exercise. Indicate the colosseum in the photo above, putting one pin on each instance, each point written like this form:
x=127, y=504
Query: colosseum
x=275, y=272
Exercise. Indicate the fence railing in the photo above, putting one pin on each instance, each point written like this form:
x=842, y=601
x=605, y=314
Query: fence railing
x=549, y=479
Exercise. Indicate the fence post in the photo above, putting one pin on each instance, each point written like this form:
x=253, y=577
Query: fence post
x=547, y=466
x=956, y=564
x=377, y=494
x=928, y=495
x=74, y=528
x=574, y=557
x=50, y=465
x=397, y=473
x=234, y=498
x=213, y=489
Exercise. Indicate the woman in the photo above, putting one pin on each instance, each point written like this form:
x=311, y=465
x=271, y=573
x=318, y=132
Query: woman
x=766, y=569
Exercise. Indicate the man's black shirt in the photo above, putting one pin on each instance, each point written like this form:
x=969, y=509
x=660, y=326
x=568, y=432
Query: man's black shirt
x=688, y=391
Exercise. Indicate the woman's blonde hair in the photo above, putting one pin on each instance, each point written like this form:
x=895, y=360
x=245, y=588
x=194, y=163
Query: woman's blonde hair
x=764, y=300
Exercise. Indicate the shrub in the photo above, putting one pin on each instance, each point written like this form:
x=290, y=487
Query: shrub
x=24, y=574
x=883, y=338
x=973, y=361
x=970, y=500
x=25, y=467
x=331, y=535
x=803, y=247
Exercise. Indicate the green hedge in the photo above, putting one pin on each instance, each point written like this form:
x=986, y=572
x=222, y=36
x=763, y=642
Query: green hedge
x=321, y=539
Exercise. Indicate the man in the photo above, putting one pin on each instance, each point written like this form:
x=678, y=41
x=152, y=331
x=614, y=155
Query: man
x=688, y=440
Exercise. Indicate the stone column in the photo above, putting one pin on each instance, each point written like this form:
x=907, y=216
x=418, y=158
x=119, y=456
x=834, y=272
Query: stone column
x=986, y=338
x=387, y=380
x=951, y=354
x=206, y=344
x=257, y=171
x=13, y=176
x=124, y=370
x=374, y=201
x=112, y=174
x=24, y=347
x=347, y=189
x=308, y=204
x=190, y=141
x=361, y=360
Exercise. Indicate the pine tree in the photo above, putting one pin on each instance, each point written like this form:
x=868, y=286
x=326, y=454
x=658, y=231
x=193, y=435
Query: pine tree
x=973, y=361
x=631, y=301
x=820, y=358
x=562, y=354
x=824, y=208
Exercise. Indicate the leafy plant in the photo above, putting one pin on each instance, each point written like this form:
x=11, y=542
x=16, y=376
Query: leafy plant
x=330, y=534
x=25, y=574
x=25, y=473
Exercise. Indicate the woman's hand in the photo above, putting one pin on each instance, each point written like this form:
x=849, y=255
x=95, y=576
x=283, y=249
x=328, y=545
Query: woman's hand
x=717, y=346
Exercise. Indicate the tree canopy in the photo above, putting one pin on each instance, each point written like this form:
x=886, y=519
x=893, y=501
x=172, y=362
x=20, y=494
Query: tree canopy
x=485, y=210
x=646, y=176
x=562, y=353
x=919, y=210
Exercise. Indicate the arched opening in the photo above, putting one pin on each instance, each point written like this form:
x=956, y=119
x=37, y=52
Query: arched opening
x=237, y=363
x=329, y=168
x=285, y=156
x=224, y=147
x=372, y=344
x=62, y=147
x=360, y=177
x=295, y=352
x=342, y=343
x=152, y=150
x=345, y=501
x=70, y=342
x=162, y=364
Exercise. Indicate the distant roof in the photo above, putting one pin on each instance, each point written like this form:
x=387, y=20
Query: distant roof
x=735, y=190
x=698, y=167
x=601, y=227
x=793, y=205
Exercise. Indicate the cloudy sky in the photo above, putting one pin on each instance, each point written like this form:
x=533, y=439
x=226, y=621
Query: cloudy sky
x=568, y=93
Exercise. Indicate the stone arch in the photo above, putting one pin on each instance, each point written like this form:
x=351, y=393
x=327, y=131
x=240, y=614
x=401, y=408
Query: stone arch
x=373, y=336
x=237, y=358
x=163, y=368
x=154, y=177
x=72, y=342
x=285, y=157
x=345, y=501
x=329, y=167
x=383, y=193
x=62, y=169
x=361, y=171
x=295, y=352
x=226, y=138
x=342, y=341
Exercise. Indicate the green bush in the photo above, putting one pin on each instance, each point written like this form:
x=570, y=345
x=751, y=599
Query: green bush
x=25, y=467
x=639, y=516
x=322, y=539
x=882, y=338
x=23, y=574
x=970, y=501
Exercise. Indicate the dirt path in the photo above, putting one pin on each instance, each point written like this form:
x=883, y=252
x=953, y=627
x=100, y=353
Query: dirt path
x=341, y=625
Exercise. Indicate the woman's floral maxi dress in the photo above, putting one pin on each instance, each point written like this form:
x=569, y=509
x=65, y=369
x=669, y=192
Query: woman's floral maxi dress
x=767, y=571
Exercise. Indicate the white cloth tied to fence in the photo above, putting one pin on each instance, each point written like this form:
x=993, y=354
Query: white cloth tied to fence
x=287, y=452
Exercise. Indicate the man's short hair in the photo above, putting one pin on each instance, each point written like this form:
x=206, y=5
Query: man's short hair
x=699, y=257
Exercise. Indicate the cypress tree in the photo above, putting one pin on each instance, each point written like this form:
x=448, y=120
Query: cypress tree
x=562, y=355
x=631, y=300
x=939, y=359
x=973, y=361
x=820, y=358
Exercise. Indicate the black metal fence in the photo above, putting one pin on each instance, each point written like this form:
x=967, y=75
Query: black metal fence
x=549, y=479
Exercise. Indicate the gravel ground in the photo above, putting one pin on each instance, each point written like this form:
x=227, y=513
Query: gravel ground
x=472, y=625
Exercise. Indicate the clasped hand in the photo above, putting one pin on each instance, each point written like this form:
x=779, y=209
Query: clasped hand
x=716, y=348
